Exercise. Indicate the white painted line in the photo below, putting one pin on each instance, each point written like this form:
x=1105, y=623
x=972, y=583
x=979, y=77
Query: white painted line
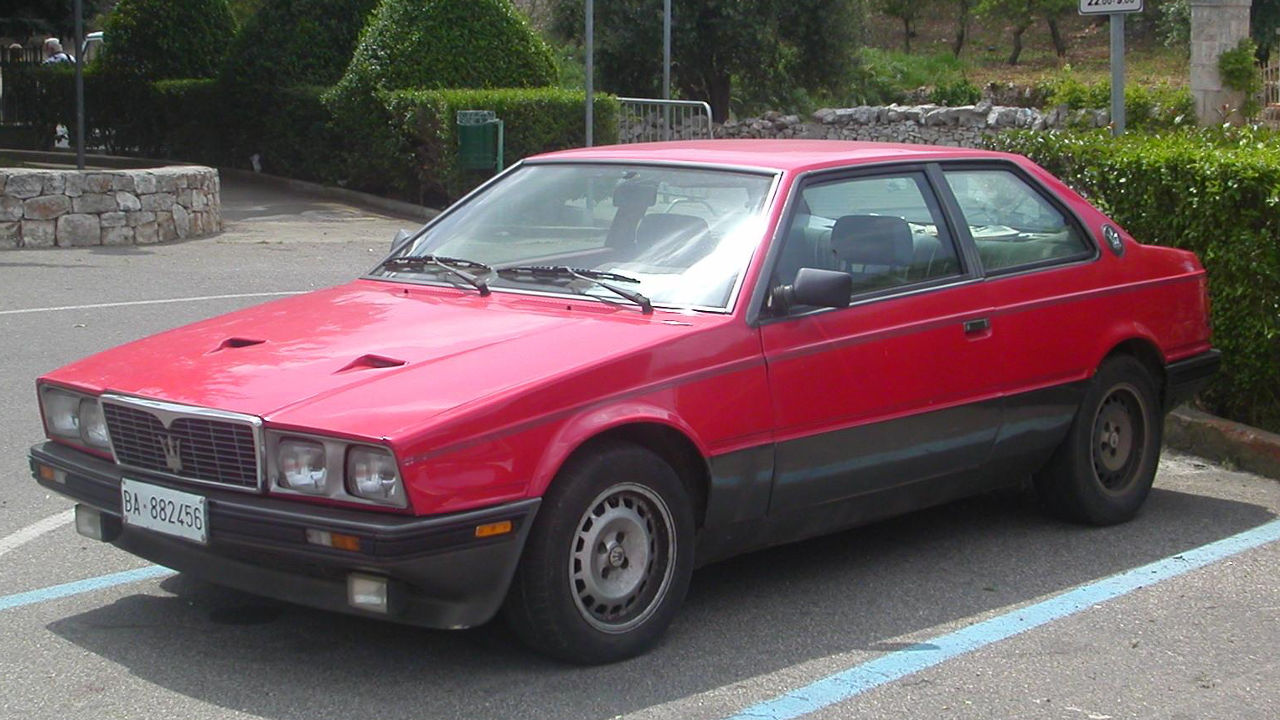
x=149, y=302
x=34, y=530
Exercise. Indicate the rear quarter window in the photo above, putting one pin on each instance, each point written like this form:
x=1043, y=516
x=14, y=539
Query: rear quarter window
x=1013, y=224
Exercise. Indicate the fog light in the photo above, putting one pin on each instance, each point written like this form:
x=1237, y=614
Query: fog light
x=367, y=592
x=89, y=522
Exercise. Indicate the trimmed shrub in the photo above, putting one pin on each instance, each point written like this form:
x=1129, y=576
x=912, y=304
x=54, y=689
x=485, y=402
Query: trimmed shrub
x=295, y=42
x=1216, y=193
x=535, y=120
x=162, y=39
x=428, y=44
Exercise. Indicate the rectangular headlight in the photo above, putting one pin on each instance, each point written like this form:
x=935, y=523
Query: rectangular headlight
x=93, y=424
x=61, y=412
x=302, y=466
x=372, y=474
x=75, y=416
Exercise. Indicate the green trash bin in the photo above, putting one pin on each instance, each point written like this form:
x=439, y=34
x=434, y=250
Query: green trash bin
x=479, y=140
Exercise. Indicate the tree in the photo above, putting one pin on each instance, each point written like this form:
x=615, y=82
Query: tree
x=23, y=18
x=1023, y=13
x=908, y=11
x=162, y=39
x=1264, y=23
x=722, y=50
x=964, y=8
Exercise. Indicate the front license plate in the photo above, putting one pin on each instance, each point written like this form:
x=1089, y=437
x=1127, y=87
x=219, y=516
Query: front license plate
x=171, y=512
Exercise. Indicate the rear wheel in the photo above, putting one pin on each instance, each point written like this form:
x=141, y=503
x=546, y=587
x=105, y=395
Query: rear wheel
x=1103, y=471
x=608, y=559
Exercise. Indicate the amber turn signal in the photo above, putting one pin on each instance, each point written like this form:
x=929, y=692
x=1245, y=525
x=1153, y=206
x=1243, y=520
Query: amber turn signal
x=495, y=528
x=334, y=540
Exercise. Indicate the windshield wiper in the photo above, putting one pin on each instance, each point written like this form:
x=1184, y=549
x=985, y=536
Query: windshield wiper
x=596, y=277
x=449, y=264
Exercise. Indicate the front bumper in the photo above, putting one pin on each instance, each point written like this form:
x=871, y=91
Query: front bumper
x=439, y=573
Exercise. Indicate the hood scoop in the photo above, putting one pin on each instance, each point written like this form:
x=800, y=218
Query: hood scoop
x=370, y=362
x=236, y=342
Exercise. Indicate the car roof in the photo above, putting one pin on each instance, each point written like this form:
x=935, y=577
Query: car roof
x=786, y=155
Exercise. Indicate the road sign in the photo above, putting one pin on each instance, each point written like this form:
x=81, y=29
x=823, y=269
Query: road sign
x=1109, y=7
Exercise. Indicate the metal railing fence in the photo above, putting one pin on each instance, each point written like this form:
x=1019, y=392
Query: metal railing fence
x=1271, y=92
x=651, y=120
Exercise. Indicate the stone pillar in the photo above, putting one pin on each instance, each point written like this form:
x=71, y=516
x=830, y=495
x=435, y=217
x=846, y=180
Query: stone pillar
x=1216, y=25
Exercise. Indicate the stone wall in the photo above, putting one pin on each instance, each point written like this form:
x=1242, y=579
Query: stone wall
x=964, y=126
x=71, y=208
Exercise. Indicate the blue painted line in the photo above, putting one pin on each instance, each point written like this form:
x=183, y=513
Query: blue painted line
x=894, y=666
x=8, y=602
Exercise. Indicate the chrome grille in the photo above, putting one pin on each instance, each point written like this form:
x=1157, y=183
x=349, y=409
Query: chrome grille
x=183, y=443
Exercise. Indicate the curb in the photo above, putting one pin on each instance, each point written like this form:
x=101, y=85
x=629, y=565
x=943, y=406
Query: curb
x=1209, y=436
x=399, y=208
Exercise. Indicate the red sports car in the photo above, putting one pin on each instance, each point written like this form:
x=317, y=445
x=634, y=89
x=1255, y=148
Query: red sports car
x=608, y=366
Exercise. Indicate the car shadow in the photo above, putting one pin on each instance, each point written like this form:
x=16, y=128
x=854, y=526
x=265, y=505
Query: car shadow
x=859, y=593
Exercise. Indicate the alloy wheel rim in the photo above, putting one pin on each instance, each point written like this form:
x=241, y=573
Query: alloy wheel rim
x=1119, y=436
x=621, y=559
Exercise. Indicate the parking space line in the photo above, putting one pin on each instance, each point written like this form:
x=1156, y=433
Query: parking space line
x=856, y=680
x=31, y=597
x=165, y=301
x=12, y=542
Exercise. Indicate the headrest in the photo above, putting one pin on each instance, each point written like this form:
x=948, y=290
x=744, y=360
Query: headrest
x=635, y=194
x=872, y=240
x=663, y=227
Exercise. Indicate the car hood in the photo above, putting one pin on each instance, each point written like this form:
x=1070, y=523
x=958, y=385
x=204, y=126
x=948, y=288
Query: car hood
x=372, y=359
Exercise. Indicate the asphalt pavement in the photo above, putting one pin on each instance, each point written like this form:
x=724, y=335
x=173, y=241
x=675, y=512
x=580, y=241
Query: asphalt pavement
x=932, y=615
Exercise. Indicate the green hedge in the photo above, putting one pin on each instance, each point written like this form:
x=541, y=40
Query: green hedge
x=535, y=120
x=122, y=113
x=1216, y=193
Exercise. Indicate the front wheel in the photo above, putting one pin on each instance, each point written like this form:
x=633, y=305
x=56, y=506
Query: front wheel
x=1103, y=471
x=608, y=559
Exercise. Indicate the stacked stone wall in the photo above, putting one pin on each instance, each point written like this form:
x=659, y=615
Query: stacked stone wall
x=72, y=208
x=964, y=126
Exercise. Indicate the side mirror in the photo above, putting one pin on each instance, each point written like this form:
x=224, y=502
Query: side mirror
x=399, y=240
x=819, y=288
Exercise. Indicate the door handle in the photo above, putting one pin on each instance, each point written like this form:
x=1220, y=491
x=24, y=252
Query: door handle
x=973, y=327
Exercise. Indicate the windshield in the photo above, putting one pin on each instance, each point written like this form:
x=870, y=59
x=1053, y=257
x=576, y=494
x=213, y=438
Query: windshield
x=677, y=236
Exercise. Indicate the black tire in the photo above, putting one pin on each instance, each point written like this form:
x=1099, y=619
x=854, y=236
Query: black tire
x=608, y=559
x=1103, y=471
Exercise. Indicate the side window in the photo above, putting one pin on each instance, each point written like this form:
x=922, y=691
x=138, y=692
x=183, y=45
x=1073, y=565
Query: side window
x=885, y=231
x=1012, y=224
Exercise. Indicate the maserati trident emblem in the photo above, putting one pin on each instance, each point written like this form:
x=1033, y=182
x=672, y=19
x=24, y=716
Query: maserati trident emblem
x=172, y=447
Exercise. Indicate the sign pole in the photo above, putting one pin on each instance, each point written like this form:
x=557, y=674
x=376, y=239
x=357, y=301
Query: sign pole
x=1117, y=74
x=591, y=51
x=79, y=50
x=1116, y=9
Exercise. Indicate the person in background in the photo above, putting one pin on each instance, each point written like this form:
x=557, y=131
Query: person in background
x=53, y=52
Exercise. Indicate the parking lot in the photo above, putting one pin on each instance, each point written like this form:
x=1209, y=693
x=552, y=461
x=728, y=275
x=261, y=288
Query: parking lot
x=876, y=622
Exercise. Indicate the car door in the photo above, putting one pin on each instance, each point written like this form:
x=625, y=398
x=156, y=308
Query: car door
x=875, y=400
x=1038, y=263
